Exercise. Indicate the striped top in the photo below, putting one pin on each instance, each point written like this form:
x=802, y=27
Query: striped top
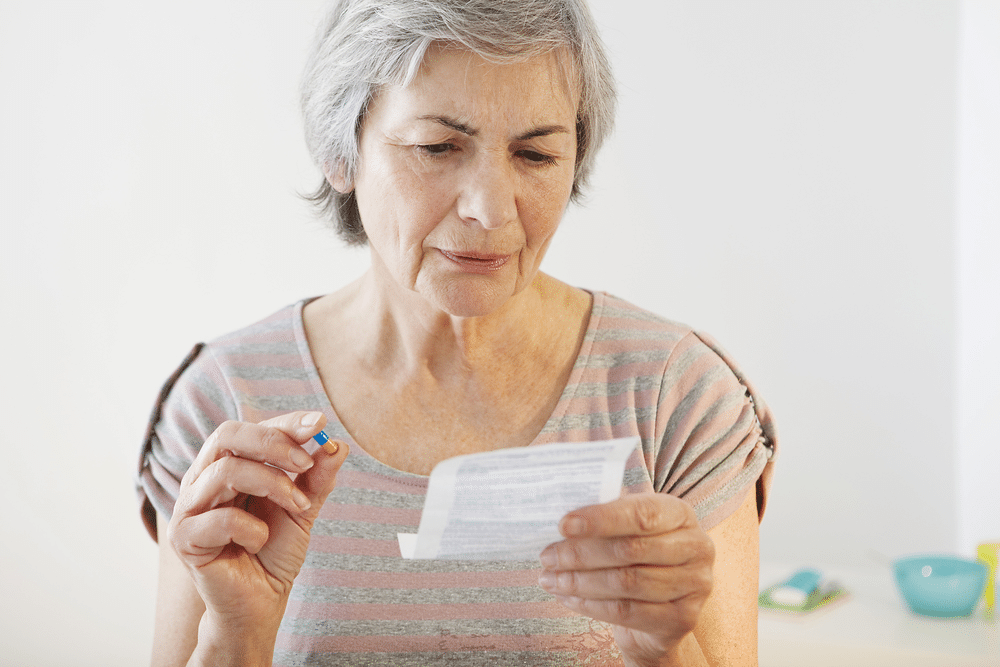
x=706, y=437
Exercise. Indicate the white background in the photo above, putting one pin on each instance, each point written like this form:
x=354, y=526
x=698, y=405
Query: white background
x=814, y=183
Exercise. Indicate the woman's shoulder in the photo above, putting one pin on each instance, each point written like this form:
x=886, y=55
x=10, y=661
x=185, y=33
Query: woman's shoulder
x=613, y=311
x=279, y=329
x=274, y=346
x=635, y=339
x=247, y=372
x=620, y=325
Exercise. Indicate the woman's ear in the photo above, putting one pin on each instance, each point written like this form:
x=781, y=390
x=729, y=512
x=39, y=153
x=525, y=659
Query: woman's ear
x=336, y=176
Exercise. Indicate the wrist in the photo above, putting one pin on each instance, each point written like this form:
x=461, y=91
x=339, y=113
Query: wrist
x=668, y=658
x=224, y=643
x=683, y=653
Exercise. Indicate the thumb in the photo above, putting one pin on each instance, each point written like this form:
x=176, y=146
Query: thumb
x=318, y=481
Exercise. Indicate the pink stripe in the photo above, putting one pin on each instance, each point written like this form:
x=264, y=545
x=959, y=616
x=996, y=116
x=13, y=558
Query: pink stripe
x=354, y=479
x=630, y=400
x=273, y=387
x=603, y=432
x=417, y=580
x=354, y=546
x=250, y=360
x=583, y=645
x=368, y=514
x=254, y=335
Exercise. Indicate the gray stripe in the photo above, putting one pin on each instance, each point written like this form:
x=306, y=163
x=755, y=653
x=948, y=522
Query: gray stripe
x=638, y=335
x=635, y=476
x=622, y=358
x=594, y=421
x=362, y=563
x=283, y=403
x=597, y=389
x=360, y=529
x=267, y=373
x=416, y=596
x=219, y=395
x=379, y=499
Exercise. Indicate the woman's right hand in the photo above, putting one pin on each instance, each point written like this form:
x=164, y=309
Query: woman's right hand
x=241, y=527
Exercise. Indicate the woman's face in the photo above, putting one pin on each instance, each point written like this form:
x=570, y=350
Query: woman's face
x=464, y=176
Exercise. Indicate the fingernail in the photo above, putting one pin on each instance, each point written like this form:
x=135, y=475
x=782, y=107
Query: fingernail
x=569, y=600
x=301, y=500
x=549, y=559
x=300, y=458
x=310, y=418
x=573, y=525
x=547, y=580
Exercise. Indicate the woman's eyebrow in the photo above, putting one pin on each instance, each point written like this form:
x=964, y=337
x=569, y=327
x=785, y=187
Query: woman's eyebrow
x=543, y=131
x=452, y=123
x=459, y=126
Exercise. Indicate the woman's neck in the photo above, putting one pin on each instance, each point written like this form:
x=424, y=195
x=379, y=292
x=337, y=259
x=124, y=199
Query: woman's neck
x=401, y=332
x=413, y=387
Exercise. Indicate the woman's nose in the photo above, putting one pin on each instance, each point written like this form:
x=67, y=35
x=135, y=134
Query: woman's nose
x=488, y=196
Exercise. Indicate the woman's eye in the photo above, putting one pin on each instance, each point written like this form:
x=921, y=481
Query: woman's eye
x=536, y=157
x=436, y=149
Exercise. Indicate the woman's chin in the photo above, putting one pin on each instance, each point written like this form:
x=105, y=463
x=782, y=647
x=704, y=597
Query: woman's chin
x=468, y=298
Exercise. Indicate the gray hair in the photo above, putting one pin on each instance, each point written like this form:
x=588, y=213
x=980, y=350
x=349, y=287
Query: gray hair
x=366, y=44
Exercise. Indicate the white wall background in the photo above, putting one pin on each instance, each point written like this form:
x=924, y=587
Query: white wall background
x=813, y=183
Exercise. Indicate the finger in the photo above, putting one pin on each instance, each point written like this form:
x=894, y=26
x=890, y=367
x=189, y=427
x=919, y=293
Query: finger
x=637, y=514
x=300, y=425
x=230, y=476
x=199, y=539
x=277, y=441
x=317, y=482
x=640, y=582
x=678, y=547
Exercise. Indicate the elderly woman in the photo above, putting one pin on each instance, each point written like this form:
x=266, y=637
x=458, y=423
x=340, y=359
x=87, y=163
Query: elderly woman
x=452, y=135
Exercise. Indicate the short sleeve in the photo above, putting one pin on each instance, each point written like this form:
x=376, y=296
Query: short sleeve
x=190, y=406
x=717, y=436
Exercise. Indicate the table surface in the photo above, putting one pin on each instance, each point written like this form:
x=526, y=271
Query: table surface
x=871, y=627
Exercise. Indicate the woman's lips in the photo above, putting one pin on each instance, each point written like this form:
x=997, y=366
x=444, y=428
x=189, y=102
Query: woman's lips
x=476, y=262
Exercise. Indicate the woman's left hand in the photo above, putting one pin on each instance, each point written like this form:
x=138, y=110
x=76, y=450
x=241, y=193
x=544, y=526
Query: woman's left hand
x=641, y=563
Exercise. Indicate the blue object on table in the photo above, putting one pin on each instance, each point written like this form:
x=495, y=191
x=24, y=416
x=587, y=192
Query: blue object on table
x=941, y=586
x=796, y=591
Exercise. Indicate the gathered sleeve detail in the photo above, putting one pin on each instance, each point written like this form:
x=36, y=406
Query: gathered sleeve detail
x=716, y=435
x=190, y=406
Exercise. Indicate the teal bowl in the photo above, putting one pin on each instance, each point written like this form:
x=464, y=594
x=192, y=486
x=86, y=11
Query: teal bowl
x=941, y=586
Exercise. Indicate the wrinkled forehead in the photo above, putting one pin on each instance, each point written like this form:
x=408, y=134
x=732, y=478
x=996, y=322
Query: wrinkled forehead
x=558, y=63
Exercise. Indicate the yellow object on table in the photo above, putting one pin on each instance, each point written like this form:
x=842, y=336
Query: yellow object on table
x=987, y=553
